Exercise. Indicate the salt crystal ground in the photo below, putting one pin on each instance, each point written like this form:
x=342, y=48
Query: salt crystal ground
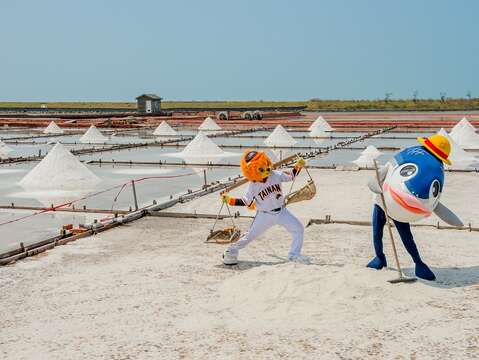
x=154, y=290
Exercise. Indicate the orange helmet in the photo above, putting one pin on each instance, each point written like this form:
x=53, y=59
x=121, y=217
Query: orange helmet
x=255, y=165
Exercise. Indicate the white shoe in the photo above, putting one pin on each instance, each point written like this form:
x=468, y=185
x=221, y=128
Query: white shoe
x=301, y=259
x=230, y=258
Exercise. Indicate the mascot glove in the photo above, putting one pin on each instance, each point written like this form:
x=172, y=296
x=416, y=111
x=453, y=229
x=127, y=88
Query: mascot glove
x=300, y=162
x=226, y=198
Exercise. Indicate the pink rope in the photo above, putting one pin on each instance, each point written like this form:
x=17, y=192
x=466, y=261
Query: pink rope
x=70, y=203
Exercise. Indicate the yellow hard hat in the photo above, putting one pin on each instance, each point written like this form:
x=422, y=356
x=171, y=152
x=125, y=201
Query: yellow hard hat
x=438, y=145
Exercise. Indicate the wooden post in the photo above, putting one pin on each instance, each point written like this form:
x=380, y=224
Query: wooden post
x=134, y=194
x=204, y=178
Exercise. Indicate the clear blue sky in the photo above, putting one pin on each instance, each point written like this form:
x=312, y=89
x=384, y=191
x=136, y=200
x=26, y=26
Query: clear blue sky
x=101, y=50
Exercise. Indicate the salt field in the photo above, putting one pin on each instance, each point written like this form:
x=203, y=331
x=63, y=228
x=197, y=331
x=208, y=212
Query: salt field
x=55, y=185
x=103, y=168
x=239, y=180
x=158, y=278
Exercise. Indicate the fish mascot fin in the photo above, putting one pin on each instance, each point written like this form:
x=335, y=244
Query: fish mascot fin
x=447, y=215
x=373, y=182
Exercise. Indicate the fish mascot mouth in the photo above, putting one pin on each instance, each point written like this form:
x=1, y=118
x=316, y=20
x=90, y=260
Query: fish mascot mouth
x=256, y=165
x=407, y=201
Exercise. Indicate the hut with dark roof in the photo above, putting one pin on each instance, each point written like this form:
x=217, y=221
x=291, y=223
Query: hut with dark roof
x=148, y=103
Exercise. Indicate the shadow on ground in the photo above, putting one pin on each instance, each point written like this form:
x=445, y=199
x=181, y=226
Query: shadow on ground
x=449, y=278
x=246, y=265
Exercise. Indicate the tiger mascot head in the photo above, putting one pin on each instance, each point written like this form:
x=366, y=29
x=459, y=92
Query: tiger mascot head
x=256, y=165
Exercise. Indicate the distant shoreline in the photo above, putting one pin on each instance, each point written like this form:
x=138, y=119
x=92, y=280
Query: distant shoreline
x=309, y=105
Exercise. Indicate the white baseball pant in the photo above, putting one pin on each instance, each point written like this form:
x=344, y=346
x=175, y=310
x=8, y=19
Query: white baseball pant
x=263, y=221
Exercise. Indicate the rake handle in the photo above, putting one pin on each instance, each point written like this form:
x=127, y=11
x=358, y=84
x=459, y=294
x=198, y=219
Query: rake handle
x=388, y=221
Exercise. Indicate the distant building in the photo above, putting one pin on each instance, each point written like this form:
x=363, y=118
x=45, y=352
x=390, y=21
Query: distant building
x=148, y=103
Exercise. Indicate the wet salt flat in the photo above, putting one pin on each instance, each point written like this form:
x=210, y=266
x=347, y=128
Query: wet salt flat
x=47, y=225
x=154, y=185
x=346, y=157
x=40, y=227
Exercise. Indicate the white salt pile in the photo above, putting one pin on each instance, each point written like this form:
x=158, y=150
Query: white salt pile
x=201, y=150
x=164, y=129
x=319, y=135
x=372, y=151
x=53, y=128
x=209, y=125
x=5, y=150
x=464, y=134
x=318, y=131
x=364, y=161
x=461, y=124
x=322, y=124
x=200, y=146
x=93, y=135
x=60, y=170
x=274, y=155
x=280, y=137
x=458, y=157
x=367, y=157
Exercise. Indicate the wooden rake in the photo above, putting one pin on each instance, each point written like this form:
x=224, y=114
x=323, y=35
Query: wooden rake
x=401, y=278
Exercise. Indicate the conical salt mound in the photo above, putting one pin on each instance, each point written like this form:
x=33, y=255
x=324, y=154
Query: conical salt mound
x=463, y=123
x=372, y=151
x=4, y=148
x=201, y=146
x=365, y=161
x=60, y=170
x=164, y=129
x=53, y=128
x=209, y=124
x=93, y=135
x=280, y=137
x=318, y=132
x=457, y=156
x=322, y=124
x=464, y=134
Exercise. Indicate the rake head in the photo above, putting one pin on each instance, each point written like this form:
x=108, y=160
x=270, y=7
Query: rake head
x=402, y=279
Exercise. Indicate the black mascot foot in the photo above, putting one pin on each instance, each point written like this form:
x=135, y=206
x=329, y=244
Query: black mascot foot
x=378, y=263
x=423, y=272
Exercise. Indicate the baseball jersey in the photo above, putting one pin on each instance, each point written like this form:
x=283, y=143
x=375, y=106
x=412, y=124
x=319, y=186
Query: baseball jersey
x=268, y=195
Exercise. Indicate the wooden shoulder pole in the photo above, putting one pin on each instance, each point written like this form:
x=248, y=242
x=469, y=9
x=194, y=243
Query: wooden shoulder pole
x=275, y=166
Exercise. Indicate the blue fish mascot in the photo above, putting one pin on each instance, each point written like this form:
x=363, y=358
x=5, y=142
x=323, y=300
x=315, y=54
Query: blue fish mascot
x=412, y=183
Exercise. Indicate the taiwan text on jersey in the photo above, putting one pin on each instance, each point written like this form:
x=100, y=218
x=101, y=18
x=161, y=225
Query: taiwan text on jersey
x=268, y=195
